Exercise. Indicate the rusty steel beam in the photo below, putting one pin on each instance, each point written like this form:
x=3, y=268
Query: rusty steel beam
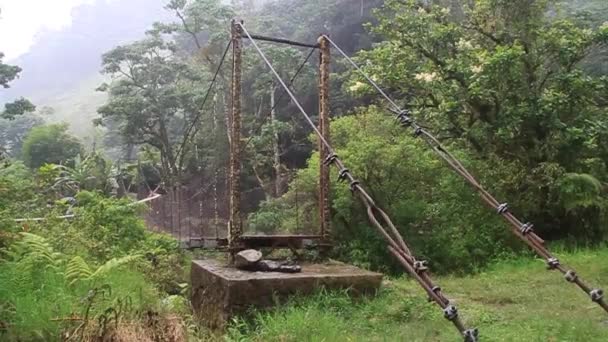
x=281, y=41
x=323, y=125
x=235, y=225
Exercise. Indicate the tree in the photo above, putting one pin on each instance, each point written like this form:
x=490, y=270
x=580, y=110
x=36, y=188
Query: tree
x=155, y=96
x=506, y=81
x=13, y=132
x=9, y=73
x=50, y=144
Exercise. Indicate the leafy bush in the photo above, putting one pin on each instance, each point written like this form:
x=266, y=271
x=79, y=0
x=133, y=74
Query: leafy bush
x=102, y=228
x=49, y=144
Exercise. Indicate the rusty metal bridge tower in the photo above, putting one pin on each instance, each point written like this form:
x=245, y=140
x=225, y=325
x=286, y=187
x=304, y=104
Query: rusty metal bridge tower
x=236, y=239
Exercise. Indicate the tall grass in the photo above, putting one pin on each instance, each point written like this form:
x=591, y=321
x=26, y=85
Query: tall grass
x=514, y=300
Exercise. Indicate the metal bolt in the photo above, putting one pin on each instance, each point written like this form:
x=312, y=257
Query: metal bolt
x=450, y=312
x=471, y=335
x=596, y=295
x=570, y=276
x=552, y=263
x=421, y=266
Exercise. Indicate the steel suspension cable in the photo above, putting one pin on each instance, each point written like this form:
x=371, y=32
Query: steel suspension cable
x=211, y=84
x=522, y=230
x=380, y=220
x=276, y=103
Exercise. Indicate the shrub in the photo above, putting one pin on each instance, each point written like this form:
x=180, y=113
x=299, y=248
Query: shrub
x=49, y=144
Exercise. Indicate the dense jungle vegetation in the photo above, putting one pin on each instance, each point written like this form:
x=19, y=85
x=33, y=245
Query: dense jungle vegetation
x=517, y=90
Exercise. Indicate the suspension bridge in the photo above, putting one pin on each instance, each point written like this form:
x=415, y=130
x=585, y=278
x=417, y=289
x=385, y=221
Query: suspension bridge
x=235, y=240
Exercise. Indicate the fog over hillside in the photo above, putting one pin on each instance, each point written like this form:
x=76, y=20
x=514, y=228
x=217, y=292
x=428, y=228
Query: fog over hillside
x=61, y=70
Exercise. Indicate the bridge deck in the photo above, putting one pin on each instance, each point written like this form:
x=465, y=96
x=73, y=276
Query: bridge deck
x=290, y=241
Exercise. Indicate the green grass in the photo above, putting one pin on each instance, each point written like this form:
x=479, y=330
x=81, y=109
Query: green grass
x=516, y=300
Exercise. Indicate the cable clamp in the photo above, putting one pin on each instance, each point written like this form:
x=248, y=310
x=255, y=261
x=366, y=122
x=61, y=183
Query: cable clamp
x=570, y=276
x=330, y=159
x=596, y=295
x=526, y=228
x=436, y=289
x=354, y=184
x=450, y=312
x=552, y=263
x=502, y=208
x=421, y=266
x=417, y=132
x=404, y=118
x=471, y=335
x=342, y=174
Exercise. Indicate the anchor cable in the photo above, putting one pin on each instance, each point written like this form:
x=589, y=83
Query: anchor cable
x=522, y=230
x=418, y=269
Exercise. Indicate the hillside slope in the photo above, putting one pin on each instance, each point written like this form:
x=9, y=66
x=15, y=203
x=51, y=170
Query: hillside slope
x=62, y=68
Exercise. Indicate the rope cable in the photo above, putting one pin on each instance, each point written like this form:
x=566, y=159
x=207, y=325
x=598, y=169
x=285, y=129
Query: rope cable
x=276, y=103
x=211, y=84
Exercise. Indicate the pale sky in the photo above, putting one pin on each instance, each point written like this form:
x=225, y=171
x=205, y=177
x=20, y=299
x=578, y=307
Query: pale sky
x=21, y=20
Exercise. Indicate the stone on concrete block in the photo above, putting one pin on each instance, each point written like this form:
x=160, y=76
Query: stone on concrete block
x=220, y=292
x=247, y=258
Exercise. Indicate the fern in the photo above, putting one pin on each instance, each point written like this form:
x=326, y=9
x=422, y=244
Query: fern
x=111, y=265
x=34, y=248
x=77, y=269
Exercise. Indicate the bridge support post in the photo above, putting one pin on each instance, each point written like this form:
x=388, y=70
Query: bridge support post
x=323, y=125
x=235, y=226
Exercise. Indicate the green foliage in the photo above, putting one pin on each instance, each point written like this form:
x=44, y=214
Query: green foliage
x=155, y=99
x=17, y=188
x=49, y=144
x=429, y=204
x=506, y=82
x=17, y=107
x=102, y=229
x=40, y=290
x=13, y=132
x=91, y=173
x=580, y=191
x=7, y=72
x=78, y=270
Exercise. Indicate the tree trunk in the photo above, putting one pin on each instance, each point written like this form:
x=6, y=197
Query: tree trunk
x=275, y=144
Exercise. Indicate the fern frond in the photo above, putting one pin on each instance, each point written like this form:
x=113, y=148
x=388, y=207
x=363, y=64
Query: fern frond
x=111, y=265
x=77, y=269
x=33, y=247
